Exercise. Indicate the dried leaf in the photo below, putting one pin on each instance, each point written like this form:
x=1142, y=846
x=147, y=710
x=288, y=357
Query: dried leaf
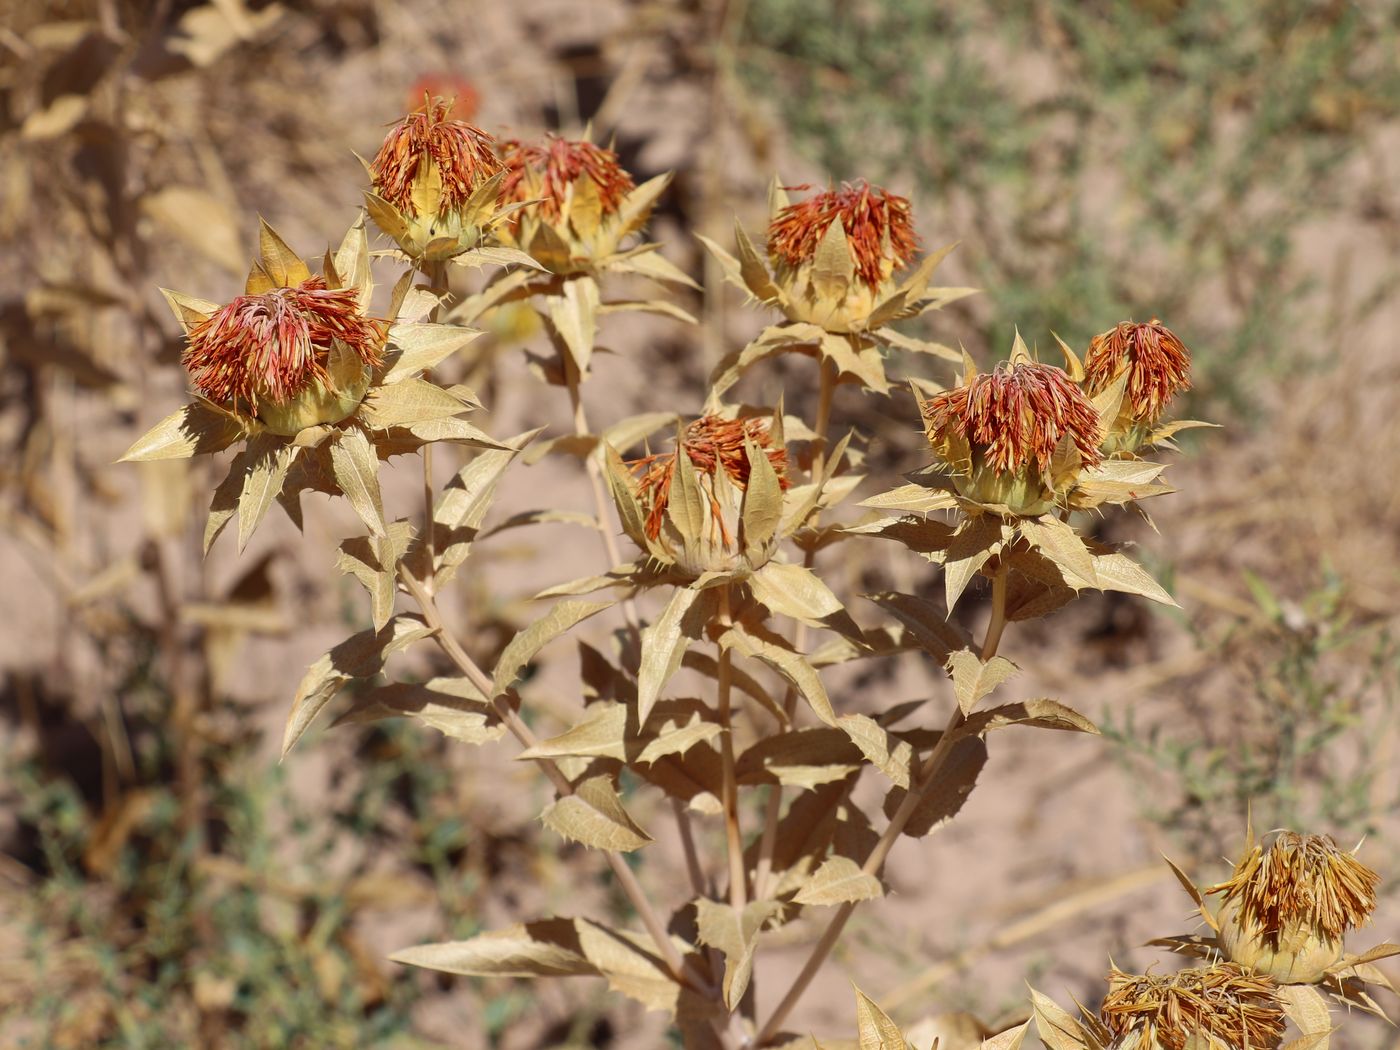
x=1118, y=572
x=735, y=933
x=875, y=1029
x=973, y=679
x=359, y=656
x=945, y=796
x=1058, y=1030
x=270, y=458
x=413, y=348
x=791, y=665
x=792, y=590
x=664, y=642
x=197, y=428
x=1307, y=1009
x=574, y=316
x=1063, y=546
x=532, y=639
x=408, y=401
x=833, y=265
x=973, y=543
x=356, y=470
x=594, y=816
x=839, y=880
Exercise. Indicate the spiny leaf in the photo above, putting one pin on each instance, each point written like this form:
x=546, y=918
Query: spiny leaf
x=413, y=348
x=574, y=316
x=664, y=642
x=594, y=816
x=945, y=796
x=839, y=881
x=791, y=665
x=269, y=460
x=406, y=402
x=796, y=591
x=1058, y=1030
x=875, y=1029
x=191, y=431
x=357, y=473
x=278, y=260
x=1118, y=572
x=359, y=656
x=548, y=948
x=1062, y=545
x=973, y=679
x=532, y=639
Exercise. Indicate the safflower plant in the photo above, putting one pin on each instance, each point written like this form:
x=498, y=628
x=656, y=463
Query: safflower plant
x=711, y=566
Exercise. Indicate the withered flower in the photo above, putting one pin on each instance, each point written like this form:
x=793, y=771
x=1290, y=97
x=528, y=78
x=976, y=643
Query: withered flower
x=878, y=227
x=1015, y=435
x=282, y=354
x=1157, y=366
x=1221, y=1007
x=1285, y=909
x=576, y=204
x=717, y=461
x=551, y=174
x=435, y=183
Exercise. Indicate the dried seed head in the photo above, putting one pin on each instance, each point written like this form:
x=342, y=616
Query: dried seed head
x=1016, y=416
x=712, y=443
x=1301, y=880
x=879, y=227
x=1221, y=1006
x=548, y=171
x=462, y=153
x=1157, y=362
x=274, y=345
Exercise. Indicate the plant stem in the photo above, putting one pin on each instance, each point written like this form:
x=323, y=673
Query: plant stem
x=738, y=877
x=681, y=971
x=601, y=504
x=768, y=840
x=928, y=774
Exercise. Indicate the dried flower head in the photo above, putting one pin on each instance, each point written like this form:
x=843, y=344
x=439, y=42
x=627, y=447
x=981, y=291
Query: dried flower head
x=548, y=171
x=712, y=443
x=1016, y=417
x=274, y=345
x=1221, y=1006
x=461, y=152
x=1157, y=362
x=879, y=227
x=1301, y=880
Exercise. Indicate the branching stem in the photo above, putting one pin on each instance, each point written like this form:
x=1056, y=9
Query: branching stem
x=928, y=775
x=738, y=875
x=681, y=971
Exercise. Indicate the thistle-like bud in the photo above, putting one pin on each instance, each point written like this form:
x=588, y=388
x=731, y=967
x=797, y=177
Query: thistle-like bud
x=296, y=356
x=1221, y=1007
x=695, y=509
x=1285, y=909
x=578, y=192
x=835, y=254
x=1014, y=437
x=1157, y=367
x=435, y=189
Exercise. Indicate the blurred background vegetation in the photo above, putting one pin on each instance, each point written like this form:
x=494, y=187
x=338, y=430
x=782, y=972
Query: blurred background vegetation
x=1226, y=165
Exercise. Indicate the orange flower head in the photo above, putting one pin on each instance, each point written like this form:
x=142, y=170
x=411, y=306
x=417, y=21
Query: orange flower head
x=462, y=152
x=1016, y=417
x=1221, y=1006
x=875, y=222
x=712, y=443
x=1157, y=362
x=548, y=171
x=1303, y=880
x=274, y=345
